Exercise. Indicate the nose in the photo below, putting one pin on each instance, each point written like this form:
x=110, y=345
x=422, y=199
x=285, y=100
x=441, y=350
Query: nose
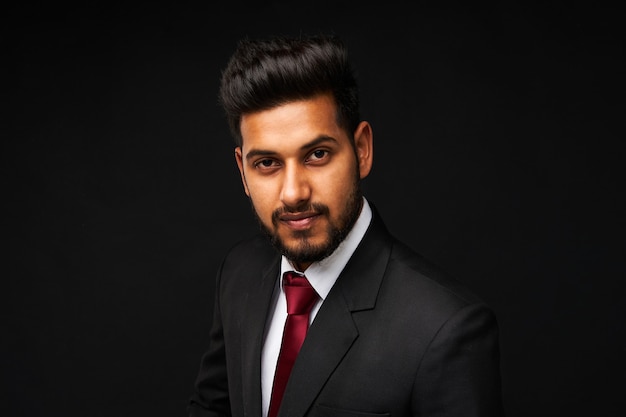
x=296, y=188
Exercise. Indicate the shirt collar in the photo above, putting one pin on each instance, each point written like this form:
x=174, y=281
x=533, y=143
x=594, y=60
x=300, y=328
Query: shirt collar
x=322, y=275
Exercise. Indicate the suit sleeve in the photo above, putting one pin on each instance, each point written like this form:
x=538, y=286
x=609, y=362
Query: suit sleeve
x=210, y=397
x=460, y=373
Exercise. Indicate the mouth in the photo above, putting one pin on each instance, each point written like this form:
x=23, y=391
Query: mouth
x=299, y=221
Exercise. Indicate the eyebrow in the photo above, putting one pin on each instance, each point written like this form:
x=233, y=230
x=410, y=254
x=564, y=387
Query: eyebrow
x=315, y=142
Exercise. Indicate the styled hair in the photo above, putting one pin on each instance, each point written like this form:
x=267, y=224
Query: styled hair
x=262, y=74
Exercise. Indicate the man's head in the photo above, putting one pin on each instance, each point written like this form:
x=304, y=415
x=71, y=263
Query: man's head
x=262, y=74
x=301, y=149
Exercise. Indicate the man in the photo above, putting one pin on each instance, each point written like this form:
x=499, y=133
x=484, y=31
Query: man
x=389, y=333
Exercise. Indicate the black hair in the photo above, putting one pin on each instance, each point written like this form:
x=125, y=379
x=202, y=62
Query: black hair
x=265, y=73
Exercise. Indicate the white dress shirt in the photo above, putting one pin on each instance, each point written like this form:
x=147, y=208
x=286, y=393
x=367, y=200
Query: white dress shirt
x=322, y=276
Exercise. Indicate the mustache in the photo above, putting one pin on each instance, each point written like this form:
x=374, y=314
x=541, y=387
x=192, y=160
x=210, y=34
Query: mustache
x=317, y=208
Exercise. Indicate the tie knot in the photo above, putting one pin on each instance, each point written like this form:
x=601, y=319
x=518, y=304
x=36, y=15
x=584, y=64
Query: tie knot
x=300, y=294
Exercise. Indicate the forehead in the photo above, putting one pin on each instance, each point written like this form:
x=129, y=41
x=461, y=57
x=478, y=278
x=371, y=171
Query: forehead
x=292, y=123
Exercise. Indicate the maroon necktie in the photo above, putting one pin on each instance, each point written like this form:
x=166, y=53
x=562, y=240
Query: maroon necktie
x=300, y=300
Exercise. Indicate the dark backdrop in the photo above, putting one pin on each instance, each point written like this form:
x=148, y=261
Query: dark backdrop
x=497, y=133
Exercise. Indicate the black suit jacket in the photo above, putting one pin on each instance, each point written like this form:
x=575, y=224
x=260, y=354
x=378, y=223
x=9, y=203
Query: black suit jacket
x=395, y=336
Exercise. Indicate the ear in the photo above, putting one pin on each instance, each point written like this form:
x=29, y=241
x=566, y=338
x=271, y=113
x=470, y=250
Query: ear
x=239, y=159
x=364, y=146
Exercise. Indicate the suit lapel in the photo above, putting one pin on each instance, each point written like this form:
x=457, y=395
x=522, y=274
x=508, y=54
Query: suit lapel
x=257, y=304
x=334, y=331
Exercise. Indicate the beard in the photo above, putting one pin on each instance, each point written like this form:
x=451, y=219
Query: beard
x=336, y=232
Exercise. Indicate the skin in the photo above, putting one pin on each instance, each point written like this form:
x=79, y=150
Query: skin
x=301, y=172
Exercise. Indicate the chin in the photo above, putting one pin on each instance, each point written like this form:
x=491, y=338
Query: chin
x=297, y=244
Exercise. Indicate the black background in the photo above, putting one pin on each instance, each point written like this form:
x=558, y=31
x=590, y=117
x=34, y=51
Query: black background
x=497, y=132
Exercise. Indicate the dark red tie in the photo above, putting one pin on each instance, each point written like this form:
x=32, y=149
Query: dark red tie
x=300, y=300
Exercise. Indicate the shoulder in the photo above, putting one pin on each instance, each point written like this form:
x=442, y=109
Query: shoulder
x=411, y=267
x=257, y=244
x=428, y=299
x=412, y=278
x=252, y=253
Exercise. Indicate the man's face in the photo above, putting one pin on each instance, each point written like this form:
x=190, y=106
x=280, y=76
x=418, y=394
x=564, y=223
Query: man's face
x=302, y=174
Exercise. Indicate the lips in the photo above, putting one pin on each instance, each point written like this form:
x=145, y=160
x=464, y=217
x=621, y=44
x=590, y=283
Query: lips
x=296, y=216
x=298, y=220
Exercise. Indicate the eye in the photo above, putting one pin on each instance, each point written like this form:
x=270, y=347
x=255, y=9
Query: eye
x=265, y=164
x=318, y=155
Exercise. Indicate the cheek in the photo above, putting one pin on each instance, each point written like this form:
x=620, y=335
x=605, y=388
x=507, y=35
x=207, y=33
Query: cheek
x=336, y=188
x=262, y=197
